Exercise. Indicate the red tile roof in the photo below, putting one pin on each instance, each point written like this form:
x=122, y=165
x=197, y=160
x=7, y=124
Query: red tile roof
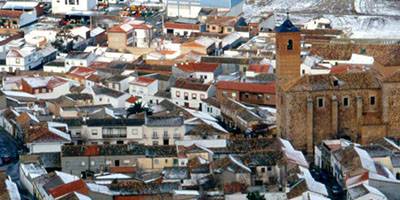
x=183, y=84
x=257, y=68
x=140, y=26
x=165, y=52
x=142, y=81
x=11, y=13
x=170, y=24
x=192, y=44
x=122, y=169
x=82, y=72
x=198, y=67
x=246, y=87
x=345, y=68
x=97, y=64
x=132, y=99
x=74, y=186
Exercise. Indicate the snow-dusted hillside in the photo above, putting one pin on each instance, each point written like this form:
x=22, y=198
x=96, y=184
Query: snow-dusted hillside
x=366, y=18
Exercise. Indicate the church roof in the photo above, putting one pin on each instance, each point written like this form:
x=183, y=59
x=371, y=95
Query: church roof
x=287, y=26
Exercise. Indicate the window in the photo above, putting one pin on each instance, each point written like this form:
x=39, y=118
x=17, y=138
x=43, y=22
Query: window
x=166, y=160
x=290, y=45
x=263, y=170
x=178, y=94
x=202, y=96
x=134, y=131
x=213, y=28
x=345, y=101
x=155, y=142
x=259, y=96
x=268, y=97
x=269, y=169
x=233, y=95
x=372, y=100
x=155, y=135
x=108, y=162
x=100, y=99
x=166, y=133
x=229, y=29
x=94, y=132
x=224, y=94
x=194, y=96
x=83, y=163
x=78, y=132
x=320, y=102
x=156, y=161
x=247, y=95
x=17, y=60
x=92, y=163
x=303, y=71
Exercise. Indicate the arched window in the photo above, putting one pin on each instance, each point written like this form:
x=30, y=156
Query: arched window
x=290, y=45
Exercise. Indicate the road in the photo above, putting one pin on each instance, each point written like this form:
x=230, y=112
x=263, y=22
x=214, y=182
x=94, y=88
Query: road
x=10, y=148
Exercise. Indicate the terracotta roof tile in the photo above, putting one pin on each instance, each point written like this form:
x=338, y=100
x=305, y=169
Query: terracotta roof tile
x=132, y=99
x=258, y=68
x=74, y=186
x=345, y=68
x=170, y=24
x=198, y=67
x=142, y=81
x=11, y=13
x=183, y=84
x=246, y=87
x=122, y=169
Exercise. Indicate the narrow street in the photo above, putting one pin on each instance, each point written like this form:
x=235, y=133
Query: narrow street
x=9, y=148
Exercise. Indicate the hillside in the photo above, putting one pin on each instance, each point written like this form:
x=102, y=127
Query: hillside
x=366, y=18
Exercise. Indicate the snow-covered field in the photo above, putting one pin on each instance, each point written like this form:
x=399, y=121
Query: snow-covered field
x=366, y=18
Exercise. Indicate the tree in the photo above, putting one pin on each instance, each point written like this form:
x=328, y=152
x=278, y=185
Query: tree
x=255, y=196
x=136, y=108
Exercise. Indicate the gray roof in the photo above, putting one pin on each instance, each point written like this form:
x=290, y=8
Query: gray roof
x=377, y=151
x=115, y=122
x=106, y=91
x=164, y=121
x=116, y=78
x=56, y=63
x=78, y=55
x=176, y=173
x=80, y=96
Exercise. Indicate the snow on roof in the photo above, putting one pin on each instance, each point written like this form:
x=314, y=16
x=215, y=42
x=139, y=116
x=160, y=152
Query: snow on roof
x=200, y=115
x=392, y=143
x=32, y=169
x=221, y=143
x=186, y=192
x=81, y=196
x=361, y=59
x=126, y=27
x=313, y=185
x=366, y=160
x=114, y=176
x=240, y=164
x=230, y=39
x=97, y=31
x=66, y=178
x=324, y=20
x=81, y=31
x=296, y=157
x=286, y=144
x=99, y=189
x=18, y=94
x=12, y=190
x=60, y=133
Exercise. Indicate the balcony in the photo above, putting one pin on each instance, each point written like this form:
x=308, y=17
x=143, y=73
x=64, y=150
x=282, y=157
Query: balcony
x=114, y=135
x=154, y=136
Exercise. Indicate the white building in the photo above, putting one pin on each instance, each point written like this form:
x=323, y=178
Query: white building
x=47, y=137
x=25, y=58
x=144, y=88
x=103, y=95
x=190, y=94
x=29, y=171
x=65, y=6
x=318, y=23
x=78, y=59
x=191, y=9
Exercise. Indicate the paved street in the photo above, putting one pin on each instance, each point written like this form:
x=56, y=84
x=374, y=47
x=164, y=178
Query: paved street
x=10, y=148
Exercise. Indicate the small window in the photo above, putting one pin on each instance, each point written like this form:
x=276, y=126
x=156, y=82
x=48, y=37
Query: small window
x=345, y=101
x=92, y=163
x=268, y=97
x=17, y=60
x=229, y=29
x=224, y=94
x=94, y=132
x=156, y=161
x=202, y=96
x=166, y=160
x=166, y=133
x=83, y=163
x=372, y=100
x=78, y=133
x=320, y=102
x=290, y=45
x=263, y=170
x=247, y=95
x=303, y=71
x=269, y=169
x=259, y=96
x=178, y=94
